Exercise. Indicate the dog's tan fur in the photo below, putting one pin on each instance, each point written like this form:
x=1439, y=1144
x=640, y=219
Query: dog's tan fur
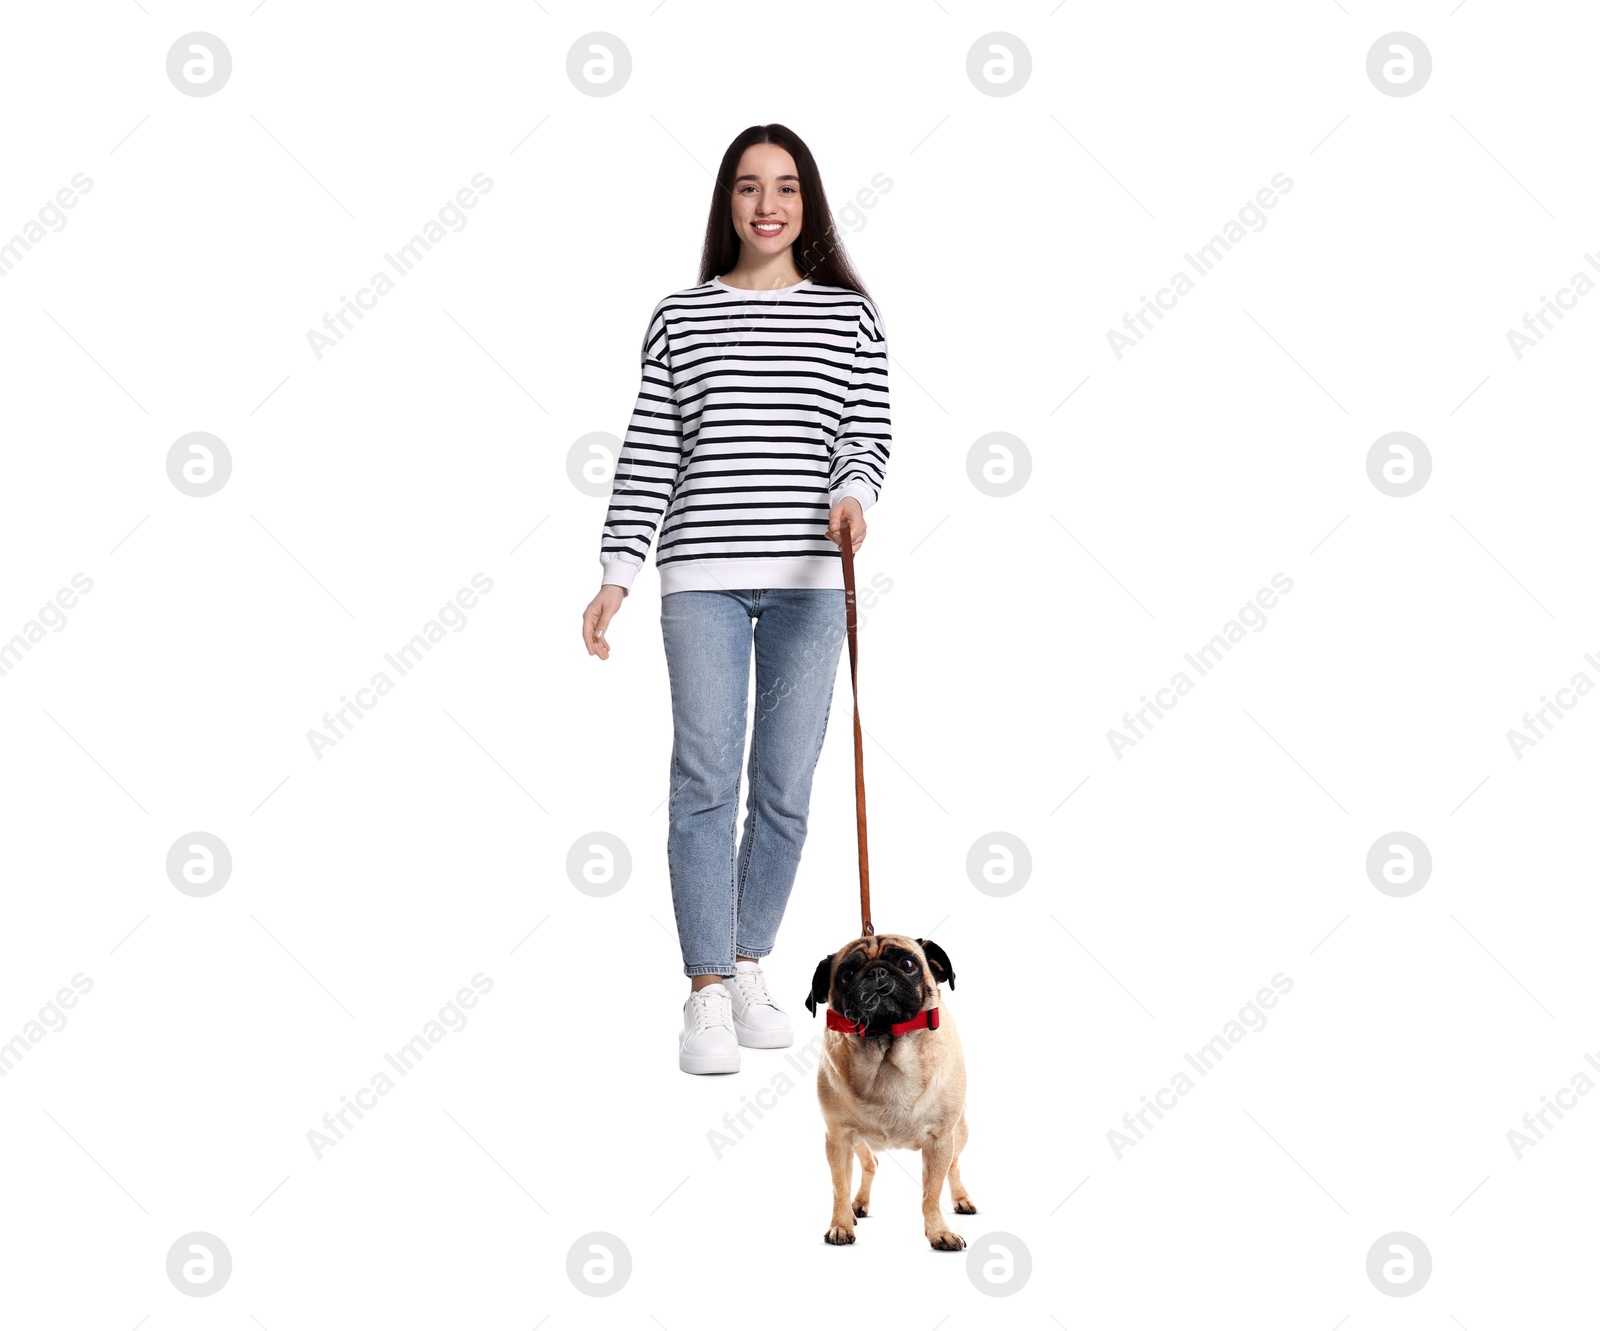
x=909, y=1092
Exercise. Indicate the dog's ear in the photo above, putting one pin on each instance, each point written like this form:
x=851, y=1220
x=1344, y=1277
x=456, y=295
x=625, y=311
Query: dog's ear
x=938, y=962
x=820, y=981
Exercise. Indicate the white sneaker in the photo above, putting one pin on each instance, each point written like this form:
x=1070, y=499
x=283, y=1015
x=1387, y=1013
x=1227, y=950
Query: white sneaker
x=708, y=1042
x=757, y=1021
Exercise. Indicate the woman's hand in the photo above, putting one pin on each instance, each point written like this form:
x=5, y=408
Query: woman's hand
x=607, y=601
x=847, y=512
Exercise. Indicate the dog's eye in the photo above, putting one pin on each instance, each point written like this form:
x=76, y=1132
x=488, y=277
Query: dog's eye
x=909, y=965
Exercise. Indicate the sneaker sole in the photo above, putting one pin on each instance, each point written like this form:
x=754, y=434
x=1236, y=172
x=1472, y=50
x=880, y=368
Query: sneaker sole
x=752, y=1038
x=700, y=1064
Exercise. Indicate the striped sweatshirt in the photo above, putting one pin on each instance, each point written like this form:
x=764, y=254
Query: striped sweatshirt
x=757, y=412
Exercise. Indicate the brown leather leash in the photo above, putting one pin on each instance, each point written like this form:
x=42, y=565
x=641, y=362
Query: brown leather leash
x=848, y=556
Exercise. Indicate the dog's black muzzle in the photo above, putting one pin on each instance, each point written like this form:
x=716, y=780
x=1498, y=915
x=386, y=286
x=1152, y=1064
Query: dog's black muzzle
x=880, y=997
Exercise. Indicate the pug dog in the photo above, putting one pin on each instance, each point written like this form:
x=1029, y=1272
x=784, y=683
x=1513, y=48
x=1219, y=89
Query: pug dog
x=891, y=1074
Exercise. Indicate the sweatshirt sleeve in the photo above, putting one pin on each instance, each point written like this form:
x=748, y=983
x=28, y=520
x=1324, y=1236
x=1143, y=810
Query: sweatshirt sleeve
x=860, y=452
x=647, y=467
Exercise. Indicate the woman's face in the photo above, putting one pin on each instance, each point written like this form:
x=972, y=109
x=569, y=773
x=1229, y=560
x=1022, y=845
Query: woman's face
x=766, y=199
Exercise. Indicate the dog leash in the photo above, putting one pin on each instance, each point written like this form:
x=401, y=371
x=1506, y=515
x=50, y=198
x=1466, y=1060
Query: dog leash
x=848, y=556
x=928, y=1018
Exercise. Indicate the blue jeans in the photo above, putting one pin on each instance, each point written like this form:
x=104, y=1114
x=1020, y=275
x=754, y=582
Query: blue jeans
x=730, y=901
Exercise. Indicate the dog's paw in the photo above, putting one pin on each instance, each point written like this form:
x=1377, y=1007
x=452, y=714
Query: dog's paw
x=947, y=1240
x=964, y=1206
x=840, y=1234
x=860, y=1209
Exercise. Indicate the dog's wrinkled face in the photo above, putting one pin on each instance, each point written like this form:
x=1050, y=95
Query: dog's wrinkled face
x=881, y=979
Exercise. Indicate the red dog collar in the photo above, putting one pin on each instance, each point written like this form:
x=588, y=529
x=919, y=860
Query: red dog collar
x=927, y=1019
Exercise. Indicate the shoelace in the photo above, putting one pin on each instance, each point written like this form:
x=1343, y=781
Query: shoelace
x=752, y=987
x=711, y=1010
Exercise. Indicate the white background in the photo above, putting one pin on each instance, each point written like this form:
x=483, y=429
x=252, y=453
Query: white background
x=1008, y=635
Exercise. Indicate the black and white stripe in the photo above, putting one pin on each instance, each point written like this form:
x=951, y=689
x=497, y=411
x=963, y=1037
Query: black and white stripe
x=757, y=412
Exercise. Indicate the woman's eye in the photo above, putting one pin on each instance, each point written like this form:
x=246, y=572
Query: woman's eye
x=909, y=965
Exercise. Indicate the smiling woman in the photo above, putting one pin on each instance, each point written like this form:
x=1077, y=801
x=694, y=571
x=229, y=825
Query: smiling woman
x=759, y=439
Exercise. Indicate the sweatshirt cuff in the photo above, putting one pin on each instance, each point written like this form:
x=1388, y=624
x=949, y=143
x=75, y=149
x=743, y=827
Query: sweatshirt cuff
x=618, y=572
x=856, y=489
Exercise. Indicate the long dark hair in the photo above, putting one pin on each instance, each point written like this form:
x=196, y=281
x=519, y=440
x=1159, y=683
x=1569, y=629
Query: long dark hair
x=818, y=251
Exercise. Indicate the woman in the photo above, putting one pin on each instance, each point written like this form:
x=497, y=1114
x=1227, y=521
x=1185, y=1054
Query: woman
x=759, y=439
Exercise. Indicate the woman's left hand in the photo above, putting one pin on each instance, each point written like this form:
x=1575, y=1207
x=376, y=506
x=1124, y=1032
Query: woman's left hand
x=847, y=512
